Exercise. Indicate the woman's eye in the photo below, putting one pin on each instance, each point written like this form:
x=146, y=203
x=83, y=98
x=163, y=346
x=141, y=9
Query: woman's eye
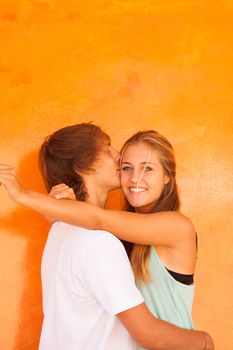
x=148, y=168
x=126, y=168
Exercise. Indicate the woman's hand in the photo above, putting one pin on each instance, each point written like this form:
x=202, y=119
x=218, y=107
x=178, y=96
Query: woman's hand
x=209, y=343
x=62, y=191
x=10, y=182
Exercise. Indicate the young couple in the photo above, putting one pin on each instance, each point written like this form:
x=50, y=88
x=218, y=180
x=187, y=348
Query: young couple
x=90, y=300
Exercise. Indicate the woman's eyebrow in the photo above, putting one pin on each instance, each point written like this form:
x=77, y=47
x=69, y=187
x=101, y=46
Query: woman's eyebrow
x=143, y=163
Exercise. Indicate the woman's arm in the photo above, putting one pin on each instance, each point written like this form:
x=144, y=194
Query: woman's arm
x=178, y=221
x=165, y=228
x=65, y=209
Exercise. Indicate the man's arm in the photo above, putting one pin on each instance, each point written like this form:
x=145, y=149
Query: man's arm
x=154, y=334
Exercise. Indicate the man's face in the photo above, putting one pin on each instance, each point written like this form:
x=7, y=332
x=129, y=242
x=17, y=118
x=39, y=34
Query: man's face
x=107, y=167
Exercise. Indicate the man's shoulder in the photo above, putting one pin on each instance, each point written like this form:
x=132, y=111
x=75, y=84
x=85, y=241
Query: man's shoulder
x=84, y=237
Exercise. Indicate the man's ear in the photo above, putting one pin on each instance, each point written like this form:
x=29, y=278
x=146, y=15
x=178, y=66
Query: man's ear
x=166, y=179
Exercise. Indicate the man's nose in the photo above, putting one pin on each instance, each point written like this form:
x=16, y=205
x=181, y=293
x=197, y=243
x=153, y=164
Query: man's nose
x=116, y=155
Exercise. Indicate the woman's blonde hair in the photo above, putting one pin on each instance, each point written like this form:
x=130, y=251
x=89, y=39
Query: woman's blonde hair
x=168, y=200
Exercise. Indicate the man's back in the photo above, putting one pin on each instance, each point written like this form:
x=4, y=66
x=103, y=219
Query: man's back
x=87, y=280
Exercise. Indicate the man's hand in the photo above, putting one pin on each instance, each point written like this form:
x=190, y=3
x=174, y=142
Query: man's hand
x=10, y=182
x=60, y=191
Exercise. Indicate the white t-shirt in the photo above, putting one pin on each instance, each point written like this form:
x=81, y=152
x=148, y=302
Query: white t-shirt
x=86, y=280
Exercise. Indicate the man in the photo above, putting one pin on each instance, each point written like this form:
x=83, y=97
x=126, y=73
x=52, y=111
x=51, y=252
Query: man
x=90, y=300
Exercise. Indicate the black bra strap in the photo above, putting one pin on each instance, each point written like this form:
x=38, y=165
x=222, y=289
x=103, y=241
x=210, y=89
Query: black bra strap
x=185, y=279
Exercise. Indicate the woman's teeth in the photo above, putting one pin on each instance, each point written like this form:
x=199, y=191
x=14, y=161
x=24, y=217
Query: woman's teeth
x=136, y=189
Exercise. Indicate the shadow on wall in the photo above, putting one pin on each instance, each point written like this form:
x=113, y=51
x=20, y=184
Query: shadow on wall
x=25, y=222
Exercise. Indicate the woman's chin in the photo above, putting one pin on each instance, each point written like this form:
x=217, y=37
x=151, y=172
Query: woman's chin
x=141, y=207
x=135, y=204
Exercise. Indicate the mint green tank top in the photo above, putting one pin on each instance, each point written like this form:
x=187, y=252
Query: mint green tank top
x=166, y=298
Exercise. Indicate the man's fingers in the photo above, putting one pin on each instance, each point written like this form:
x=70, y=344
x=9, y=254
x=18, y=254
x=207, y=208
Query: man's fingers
x=60, y=186
x=69, y=194
x=70, y=190
x=63, y=194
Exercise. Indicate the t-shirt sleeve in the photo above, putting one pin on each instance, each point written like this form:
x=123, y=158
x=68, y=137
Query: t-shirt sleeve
x=107, y=274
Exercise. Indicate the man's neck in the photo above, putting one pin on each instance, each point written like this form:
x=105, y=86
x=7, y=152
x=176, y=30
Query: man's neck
x=97, y=197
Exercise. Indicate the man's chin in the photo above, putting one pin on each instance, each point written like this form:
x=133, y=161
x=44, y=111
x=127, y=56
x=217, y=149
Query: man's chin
x=117, y=187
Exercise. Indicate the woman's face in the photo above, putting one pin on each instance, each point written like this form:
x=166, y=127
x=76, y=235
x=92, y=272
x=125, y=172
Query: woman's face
x=142, y=176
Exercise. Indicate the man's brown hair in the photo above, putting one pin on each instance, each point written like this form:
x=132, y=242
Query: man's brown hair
x=70, y=152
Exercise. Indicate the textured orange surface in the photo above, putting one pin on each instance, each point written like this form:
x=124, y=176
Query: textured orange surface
x=126, y=65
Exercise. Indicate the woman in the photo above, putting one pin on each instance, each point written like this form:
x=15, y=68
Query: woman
x=163, y=244
x=164, y=259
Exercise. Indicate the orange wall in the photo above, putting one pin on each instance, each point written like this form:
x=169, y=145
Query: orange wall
x=126, y=65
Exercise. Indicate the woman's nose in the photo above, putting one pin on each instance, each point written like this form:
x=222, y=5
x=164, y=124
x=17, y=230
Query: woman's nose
x=135, y=177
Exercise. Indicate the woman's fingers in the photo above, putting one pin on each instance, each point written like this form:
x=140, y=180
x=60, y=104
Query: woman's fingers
x=9, y=180
x=6, y=177
x=7, y=172
x=4, y=168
